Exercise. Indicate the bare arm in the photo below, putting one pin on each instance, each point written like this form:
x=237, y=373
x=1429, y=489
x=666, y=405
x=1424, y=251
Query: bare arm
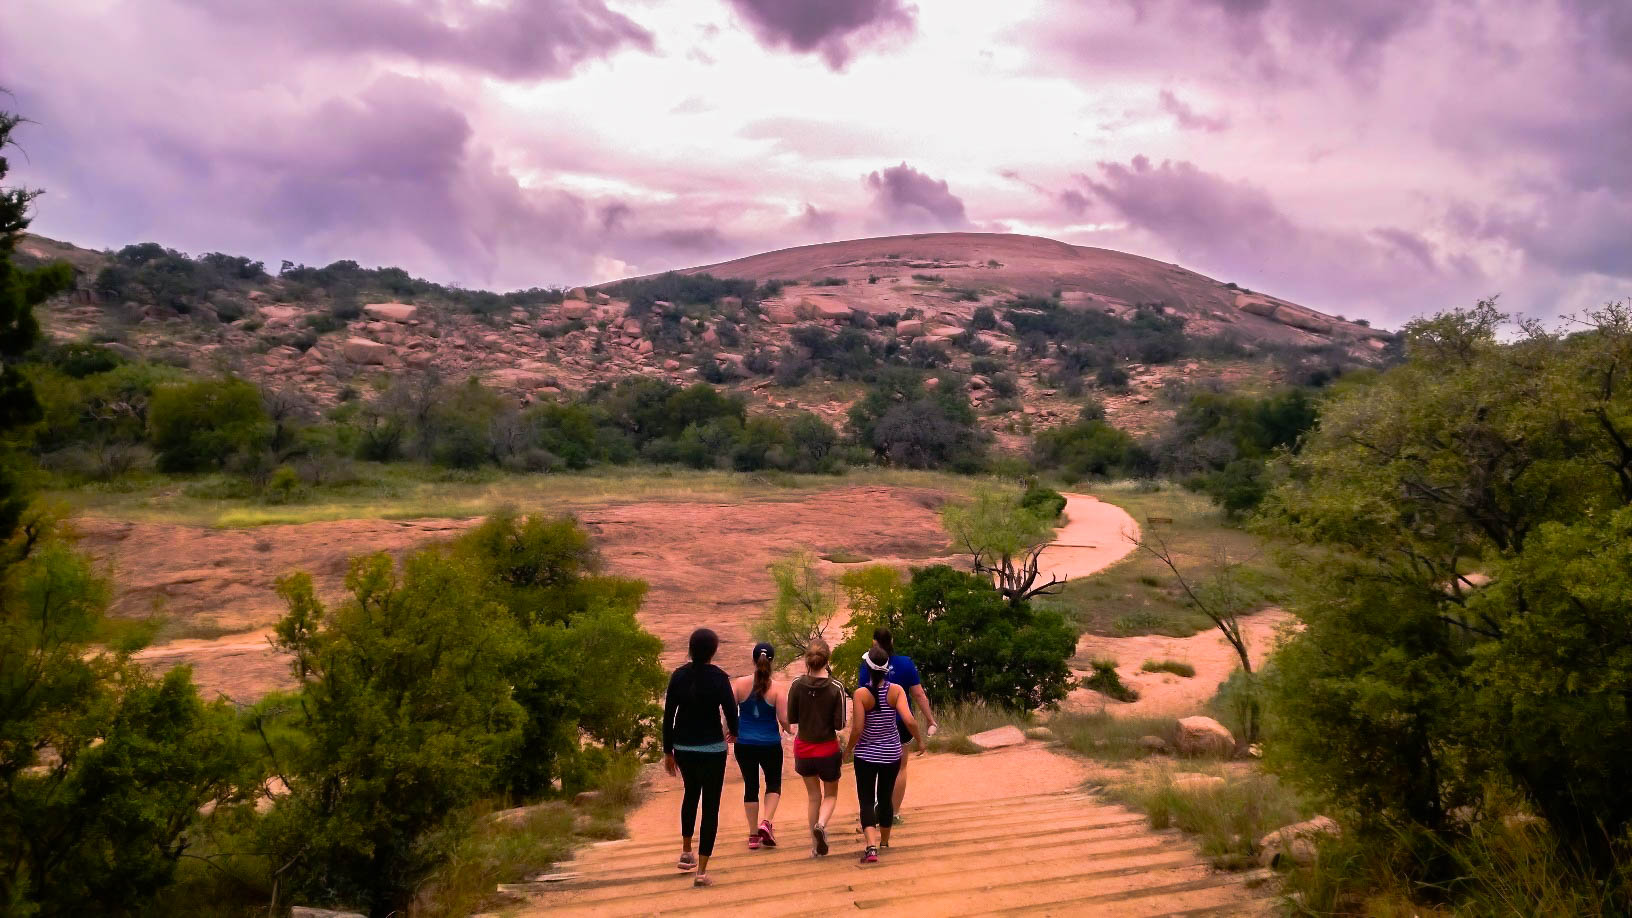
x=899, y=701
x=858, y=714
x=921, y=699
x=782, y=710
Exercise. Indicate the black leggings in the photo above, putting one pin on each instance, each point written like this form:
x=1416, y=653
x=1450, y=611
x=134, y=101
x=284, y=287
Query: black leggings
x=752, y=759
x=704, y=774
x=876, y=782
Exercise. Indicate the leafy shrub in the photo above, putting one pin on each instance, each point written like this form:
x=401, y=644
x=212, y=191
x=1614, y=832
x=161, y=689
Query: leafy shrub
x=1045, y=502
x=1089, y=449
x=1112, y=379
x=928, y=278
x=984, y=319
x=972, y=644
x=966, y=295
x=1005, y=385
x=829, y=282
x=204, y=425
x=1108, y=682
x=985, y=366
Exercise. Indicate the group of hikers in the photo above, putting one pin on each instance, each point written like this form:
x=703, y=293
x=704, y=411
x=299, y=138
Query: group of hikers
x=705, y=711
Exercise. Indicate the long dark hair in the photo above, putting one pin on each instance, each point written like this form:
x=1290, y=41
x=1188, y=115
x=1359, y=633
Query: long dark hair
x=881, y=665
x=883, y=638
x=762, y=675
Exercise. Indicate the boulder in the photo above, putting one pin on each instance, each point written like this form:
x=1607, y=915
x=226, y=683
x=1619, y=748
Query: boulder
x=645, y=346
x=1205, y=736
x=578, y=293
x=515, y=816
x=671, y=365
x=946, y=331
x=392, y=312
x=909, y=328
x=1040, y=734
x=828, y=309
x=1256, y=305
x=781, y=314
x=1297, y=842
x=1190, y=783
x=999, y=738
x=302, y=911
x=576, y=309
x=1306, y=321
x=517, y=378
x=366, y=352
x=280, y=315
x=631, y=326
x=1155, y=745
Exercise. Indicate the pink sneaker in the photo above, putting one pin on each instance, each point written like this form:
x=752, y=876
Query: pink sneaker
x=753, y=842
x=766, y=836
x=870, y=856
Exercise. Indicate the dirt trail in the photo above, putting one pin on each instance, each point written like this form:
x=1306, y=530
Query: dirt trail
x=1004, y=832
x=1165, y=693
x=1095, y=536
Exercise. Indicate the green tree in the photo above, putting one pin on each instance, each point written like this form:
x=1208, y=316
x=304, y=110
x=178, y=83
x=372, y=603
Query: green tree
x=586, y=669
x=1004, y=540
x=20, y=292
x=205, y=424
x=403, y=718
x=103, y=768
x=806, y=602
x=972, y=644
x=1089, y=449
x=1506, y=459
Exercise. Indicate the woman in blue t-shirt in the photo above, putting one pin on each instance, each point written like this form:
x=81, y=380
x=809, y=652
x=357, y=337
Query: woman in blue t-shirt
x=761, y=702
x=903, y=672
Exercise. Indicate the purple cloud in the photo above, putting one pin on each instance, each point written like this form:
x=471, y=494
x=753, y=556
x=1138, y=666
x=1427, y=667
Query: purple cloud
x=521, y=39
x=832, y=28
x=1187, y=117
x=1235, y=230
x=905, y=198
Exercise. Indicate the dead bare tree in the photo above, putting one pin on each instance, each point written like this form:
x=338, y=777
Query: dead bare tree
x=1220, y=598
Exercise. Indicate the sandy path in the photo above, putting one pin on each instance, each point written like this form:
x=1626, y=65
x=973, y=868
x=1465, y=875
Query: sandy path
x=1165, y=693
x=1095, y=536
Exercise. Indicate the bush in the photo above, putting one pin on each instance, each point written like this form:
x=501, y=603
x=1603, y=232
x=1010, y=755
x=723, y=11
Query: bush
x=1046, y=502
x=204, y=425
x=1112, y=379
x=984, y=319
x=1108, y=682
x=903, y=422
x=805, y=604
x=829, y=282
x=103, y=767
x=928, y=278
x=972, y=644
x=404, y=715
x=1089, y=449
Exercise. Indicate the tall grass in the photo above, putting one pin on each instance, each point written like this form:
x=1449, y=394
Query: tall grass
x=1228, y=818
x=1114, y=739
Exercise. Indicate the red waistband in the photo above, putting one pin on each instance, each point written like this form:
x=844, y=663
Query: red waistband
x=805, y=750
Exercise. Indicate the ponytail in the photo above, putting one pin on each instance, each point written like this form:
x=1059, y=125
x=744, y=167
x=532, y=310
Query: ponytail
x=762, y=676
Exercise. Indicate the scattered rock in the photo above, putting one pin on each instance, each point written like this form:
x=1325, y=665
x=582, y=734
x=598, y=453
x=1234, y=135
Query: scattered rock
x=1191, y=783
x=392, y=312
x=576, y=310
x=1204, y=736
x=364, y=351
x=1040, y=734
x=515, y=816
x=1296, y=843
x=909, y=328
x=999, y=738
x=1155, y=745
x=829, y=310
x=946, y=331
x=586, y=797
x=781, y=314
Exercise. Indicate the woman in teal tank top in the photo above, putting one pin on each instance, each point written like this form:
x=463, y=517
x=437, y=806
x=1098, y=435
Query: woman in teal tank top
x=761, y=704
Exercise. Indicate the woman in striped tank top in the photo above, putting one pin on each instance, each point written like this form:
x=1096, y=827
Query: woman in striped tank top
x=875, y=739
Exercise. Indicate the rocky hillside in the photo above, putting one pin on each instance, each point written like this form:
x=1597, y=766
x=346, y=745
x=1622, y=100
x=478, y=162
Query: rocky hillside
x=1028, y=319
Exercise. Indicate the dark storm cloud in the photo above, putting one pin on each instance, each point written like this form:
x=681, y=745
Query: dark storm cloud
x=832, y=28
x=521, y=39
x=907, y=198
x=1235, y=230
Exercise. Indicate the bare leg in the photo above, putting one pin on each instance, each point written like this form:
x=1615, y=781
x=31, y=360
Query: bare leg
x=685, y=844
x=813, y=791
x=872, y=836
x=771, y=800
x=752, y=809
x=900, y=785
x=702, y=864
x=830, y=800
x=885, y=832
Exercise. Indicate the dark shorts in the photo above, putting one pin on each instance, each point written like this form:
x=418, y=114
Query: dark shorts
x=825, y=767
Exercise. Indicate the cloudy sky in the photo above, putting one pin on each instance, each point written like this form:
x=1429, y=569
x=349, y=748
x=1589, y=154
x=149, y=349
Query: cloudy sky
x=1379, y=158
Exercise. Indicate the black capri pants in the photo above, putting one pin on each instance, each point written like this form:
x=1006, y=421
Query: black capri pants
x=875, y=788
x=753, y=759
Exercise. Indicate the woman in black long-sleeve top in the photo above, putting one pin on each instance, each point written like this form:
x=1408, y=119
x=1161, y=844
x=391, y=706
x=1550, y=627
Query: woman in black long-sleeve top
x=694, y=744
